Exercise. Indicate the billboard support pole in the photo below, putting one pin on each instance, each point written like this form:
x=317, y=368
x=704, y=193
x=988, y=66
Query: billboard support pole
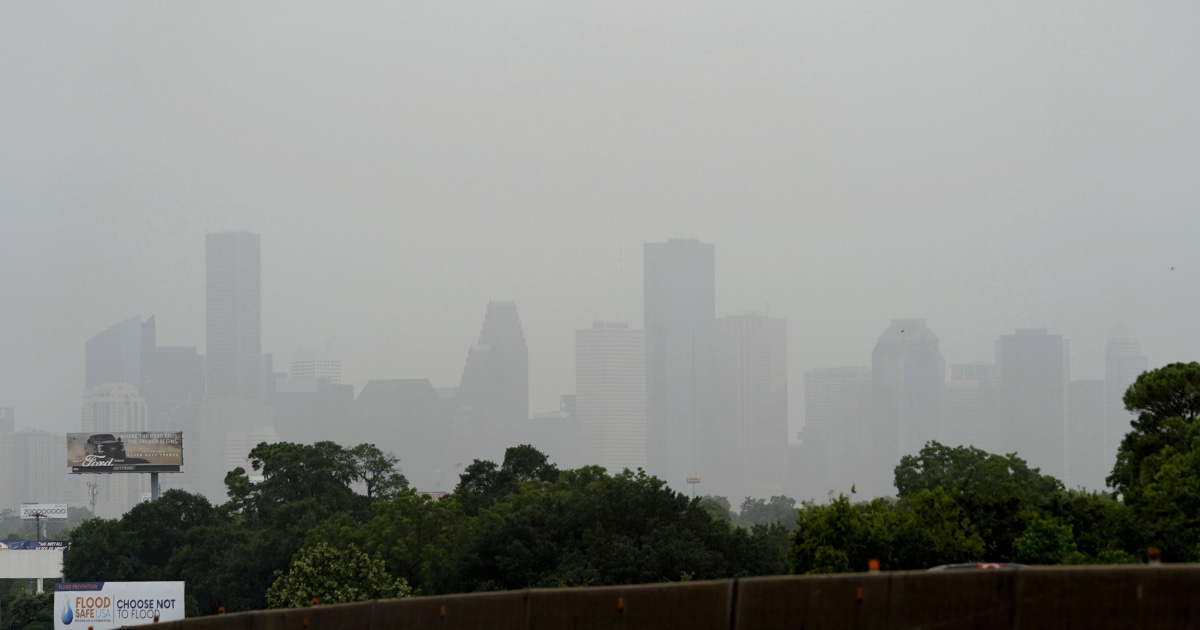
x=154, y=492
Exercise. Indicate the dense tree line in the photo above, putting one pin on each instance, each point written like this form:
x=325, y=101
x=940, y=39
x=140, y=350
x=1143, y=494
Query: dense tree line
x=342, y=524
x=960, y=504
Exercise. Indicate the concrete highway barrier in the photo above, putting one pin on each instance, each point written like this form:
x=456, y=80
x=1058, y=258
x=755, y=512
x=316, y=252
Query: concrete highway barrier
x=1166, y=596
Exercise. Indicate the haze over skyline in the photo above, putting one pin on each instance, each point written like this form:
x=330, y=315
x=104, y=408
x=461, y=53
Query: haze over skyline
x=982, y=168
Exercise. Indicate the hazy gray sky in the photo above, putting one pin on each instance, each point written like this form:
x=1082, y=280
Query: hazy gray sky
x=986, y=166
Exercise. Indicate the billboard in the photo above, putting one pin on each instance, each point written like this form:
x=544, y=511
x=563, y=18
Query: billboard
x=51, y=511
x=34, y=545
x=142, y=451
x=115, y=604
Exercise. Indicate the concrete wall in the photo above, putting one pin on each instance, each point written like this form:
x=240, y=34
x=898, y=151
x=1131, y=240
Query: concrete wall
x=1067, y=597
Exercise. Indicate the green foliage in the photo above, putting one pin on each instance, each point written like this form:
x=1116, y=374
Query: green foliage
x=28, y=612
x=589, y=528
x=1167, y=401
x=1045, y=541
x=779, y=509
x=841, y=536
x=376, y=470
x=333, y=576
x=483, y=483
x=969, y=471
x=717, y=507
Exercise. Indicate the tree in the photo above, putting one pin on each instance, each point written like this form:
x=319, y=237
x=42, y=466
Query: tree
x=1167, y=401
x=376, y=470
x=333, y=576
x=33, y=611
x=779, y=509
x=1045, y=541
x=841, y=536
x=483, y=483
x=999, y=494
x=717, y=507
x=964, y=470
x=295, y=472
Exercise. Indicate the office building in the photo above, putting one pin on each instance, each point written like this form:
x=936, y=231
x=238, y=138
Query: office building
x=123, y=353
x=1123, y=363
x=308, y=410
x=748, y=452
x=908, y=375
x=969, y=407
x=114, y=408
x=407, y=417
x=679, y=284
x=1033, y=372
x=837, y=445
x=321, y=369
x=233, y=316
x=1087, y=462
x=610, y=395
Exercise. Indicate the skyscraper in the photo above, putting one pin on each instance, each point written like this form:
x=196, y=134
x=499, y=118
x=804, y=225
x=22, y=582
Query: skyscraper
x=969, y=407
x=680, y=318
x=233, y=322
x=320, y=369
x=610, y=395
x=493, y=395
x=749, y=445
x=112, y=408
x=1123, y=363
x=495, y=381
x=1087, y=463
x=123, y=353
x=837, y=436
x=908, y=375
x=1033, y=375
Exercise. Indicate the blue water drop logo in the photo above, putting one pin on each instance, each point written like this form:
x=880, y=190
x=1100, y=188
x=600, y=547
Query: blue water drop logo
x=68, y=615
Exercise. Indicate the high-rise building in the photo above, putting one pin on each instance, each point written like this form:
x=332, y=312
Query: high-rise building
x=1123, y=363
x=748, y=452
x=123, y=353
x=233, y=316
x=493, y=395
x=321, y=369
x=408, y=418
x=610, y=395
x=175, y=389
x=909, y=375
x=969, y=407
x=837, y=432
x=114, y=408
x=1087, y=463
x=495, y=381
x=308, y=410
x=680, y=321
x=1033, y=370
x=39, y=467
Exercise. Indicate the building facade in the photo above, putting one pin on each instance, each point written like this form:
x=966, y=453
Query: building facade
x=1033, y=373
x=908, y=374
x=233, y=316
x=837, y=444
x=749, y=449
x=1123, y=363
x=679, y=284
x=610, y=395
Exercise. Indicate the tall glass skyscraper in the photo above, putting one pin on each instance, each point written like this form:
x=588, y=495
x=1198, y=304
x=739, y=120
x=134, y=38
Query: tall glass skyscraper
x=1123, y=363
x=1034, y=372
x=680, y=318
x=610, y=395
x=233, y=316
x=908, y=381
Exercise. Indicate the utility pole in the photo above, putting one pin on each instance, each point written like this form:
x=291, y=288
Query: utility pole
x=93, y=489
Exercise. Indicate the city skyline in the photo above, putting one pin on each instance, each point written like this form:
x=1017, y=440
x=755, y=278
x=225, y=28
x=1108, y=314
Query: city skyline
x=413, y=162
